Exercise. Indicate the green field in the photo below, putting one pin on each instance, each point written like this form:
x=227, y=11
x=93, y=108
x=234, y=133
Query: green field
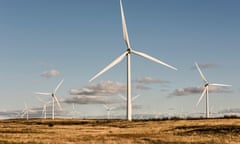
x=71, y=131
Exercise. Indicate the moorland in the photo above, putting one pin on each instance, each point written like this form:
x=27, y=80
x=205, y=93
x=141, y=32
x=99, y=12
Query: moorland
x=100, y=131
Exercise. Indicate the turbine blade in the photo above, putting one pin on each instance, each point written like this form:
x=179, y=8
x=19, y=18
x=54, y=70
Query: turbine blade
x=43, y=110
x=124, y=27
x=26, y=107
x=41, y=93
x=73, y=107
x=112, y=108
x=23, y=113
x=58, y=103
x=199, y=100
x=152, y=59
x=222, y=85
x=199, y=70
x=124, y=98
x=59, y=84
x=116, y=61
x=106, y=107
x=134, y=98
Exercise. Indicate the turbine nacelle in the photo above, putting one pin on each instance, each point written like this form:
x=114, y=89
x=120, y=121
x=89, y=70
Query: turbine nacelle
x=129, y=50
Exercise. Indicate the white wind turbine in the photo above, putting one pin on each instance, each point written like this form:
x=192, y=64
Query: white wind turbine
x=74, y=112
x=25, y=111
x=128, y=53
x=44, y=110
x=205, y=91
x=54, y=98
x=133, y=99
x=108, y=109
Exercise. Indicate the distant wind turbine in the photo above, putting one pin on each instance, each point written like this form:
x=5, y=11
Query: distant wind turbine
x=128, y=53
x=44, y=110
x=108, y=109
x=205, y=91
x=74, y=112
x=54, y=97
x=133, y=98
x=25, y=111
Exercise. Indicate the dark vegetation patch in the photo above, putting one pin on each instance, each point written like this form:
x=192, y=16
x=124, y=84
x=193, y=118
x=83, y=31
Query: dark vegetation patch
x=7, y=142
x=128, y=135
x=19, y=131
x=147, y=140
x=51, y=123
x=214, y=130
x=10, y=142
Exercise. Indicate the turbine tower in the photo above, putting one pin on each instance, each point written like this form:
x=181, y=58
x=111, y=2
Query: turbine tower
x=205, y=91
x=54, y=98
x=128, y=53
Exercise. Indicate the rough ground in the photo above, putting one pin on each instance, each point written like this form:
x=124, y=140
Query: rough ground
x=67, y=131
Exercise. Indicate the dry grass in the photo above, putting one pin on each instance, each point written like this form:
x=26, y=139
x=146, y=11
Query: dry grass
x=65, y=131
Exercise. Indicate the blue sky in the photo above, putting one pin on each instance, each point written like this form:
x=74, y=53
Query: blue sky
x=79, y=38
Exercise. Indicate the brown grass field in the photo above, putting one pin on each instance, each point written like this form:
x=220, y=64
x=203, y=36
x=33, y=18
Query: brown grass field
x=68, y=131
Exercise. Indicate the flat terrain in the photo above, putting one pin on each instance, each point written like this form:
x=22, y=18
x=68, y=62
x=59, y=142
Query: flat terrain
x=67, y=131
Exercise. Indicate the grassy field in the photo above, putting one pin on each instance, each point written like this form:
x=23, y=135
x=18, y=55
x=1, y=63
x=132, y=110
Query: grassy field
x=67, y=131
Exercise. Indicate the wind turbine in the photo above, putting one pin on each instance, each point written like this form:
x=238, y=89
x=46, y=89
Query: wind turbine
x=54, y=98
x=74, y=112
x=108, y=109
x=44, y=110
x=205, y=91
x=25, y=111
x=128, y=53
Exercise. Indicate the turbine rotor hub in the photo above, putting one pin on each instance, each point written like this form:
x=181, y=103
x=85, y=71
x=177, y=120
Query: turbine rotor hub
x=129, y=50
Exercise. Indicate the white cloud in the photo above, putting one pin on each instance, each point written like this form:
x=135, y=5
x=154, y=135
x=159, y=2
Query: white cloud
x=230, y=111
x=104, y=88
x=195, y=90
x=83, y=99
x=141, y=87
x=50, y=73
x=99, y=93
x=149, y=80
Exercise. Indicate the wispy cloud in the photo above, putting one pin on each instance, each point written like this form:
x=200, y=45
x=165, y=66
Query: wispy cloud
x=149, y=80
x=34, y=112
x=104, y=88
x=142, y=87
x=83, y=99
x=99, y=93
x=195, y=90
x=230, y=111
x=50, y=73
x=205, y=66
x=123, y=107
x=186, y=91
